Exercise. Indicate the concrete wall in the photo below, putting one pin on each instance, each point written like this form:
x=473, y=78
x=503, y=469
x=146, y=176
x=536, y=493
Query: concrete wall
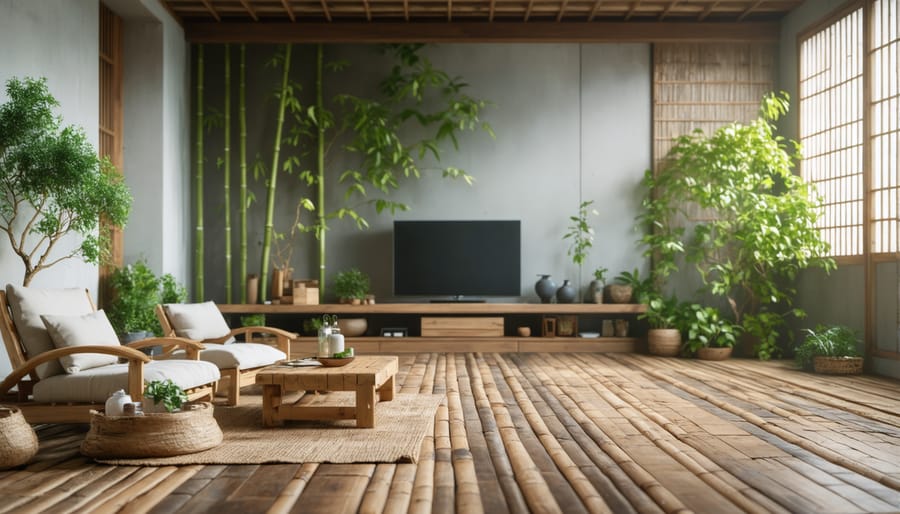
x=572, y=123
x=838, y=298
x=56, y=39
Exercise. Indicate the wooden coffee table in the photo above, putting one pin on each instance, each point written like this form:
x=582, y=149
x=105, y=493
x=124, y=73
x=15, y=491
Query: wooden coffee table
x=370, y=376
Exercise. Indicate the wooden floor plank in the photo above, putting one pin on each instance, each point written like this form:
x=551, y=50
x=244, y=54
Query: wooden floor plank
x=583, y=432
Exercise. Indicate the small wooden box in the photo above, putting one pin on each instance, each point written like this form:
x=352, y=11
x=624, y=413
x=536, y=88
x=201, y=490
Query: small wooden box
x=462, y=327
x=304, y=292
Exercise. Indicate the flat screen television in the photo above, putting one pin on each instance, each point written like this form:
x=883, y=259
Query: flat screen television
x=457, y=258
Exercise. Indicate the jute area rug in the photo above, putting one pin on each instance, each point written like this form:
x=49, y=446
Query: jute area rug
x=400, y=427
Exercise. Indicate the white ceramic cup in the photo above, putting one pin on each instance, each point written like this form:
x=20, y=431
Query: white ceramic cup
x=335, y=344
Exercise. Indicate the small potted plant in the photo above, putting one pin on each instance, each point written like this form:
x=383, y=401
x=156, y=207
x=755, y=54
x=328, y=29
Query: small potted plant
x=595, y=290
x=629, y=286
x=709, y=335
x=351, y=286
x=135, y=291
x=830, y=349
x=663, y=316
x=163, y=396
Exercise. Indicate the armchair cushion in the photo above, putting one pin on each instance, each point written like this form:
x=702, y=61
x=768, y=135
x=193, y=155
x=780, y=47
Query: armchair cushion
x=241, y=355
x=86, y=329
x=96, y=384
x=28, y=304
x=198, y=321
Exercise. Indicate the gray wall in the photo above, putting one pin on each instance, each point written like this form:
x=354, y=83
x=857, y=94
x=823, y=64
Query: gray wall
x=58, y=39
x=838, y=298
x=572, y=123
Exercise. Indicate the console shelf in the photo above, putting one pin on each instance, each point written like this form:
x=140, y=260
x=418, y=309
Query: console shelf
x=306, y=346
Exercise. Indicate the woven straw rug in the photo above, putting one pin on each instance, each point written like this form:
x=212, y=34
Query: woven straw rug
x=400, y=426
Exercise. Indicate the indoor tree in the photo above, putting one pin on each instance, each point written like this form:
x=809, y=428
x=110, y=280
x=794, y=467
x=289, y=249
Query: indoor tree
x=52, y=183
x=759, y=225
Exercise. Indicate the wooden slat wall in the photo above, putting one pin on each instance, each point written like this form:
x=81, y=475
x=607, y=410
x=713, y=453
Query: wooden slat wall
x=885, y=133
x=111, y=117
x=706, y=86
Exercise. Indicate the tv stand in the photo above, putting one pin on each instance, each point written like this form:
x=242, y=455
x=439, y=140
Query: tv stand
x=477, y=339
x=458, y=299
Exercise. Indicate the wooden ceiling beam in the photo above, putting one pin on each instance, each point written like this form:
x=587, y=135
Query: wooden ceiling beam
x=528, y=10
x=288, y=10
x=562, y=10
x=749, y=10
x=634, y=6
x=596, y=6
x=406, y=10
x=449, y=10
x=368, y=10
x=709, y=9
x=491, y=11
x=668, y=9
x=250, y=10
x=474, y=32
x=325, y=9
x=212, y=11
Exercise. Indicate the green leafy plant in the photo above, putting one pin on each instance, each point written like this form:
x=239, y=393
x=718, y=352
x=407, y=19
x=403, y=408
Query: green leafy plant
x=663, y=312
x=580, y=233
x=600, y=275
x=705, y=327
x=52, y=183
x=167, y=393
x=759, y=224
x=253, y=320
x=351, y=284
x=136, y=291
x=826, y=341
x=641, y=288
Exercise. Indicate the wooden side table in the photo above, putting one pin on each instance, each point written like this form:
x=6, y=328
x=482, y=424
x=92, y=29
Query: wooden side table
x=370, y=376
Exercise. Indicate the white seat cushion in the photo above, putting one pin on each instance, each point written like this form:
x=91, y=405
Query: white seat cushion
x=241, y=355
x=28, y=304
x=96, y=384
x=86, y=329
x=198, y=321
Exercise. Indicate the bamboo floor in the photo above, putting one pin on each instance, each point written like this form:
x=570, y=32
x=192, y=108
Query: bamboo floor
x=549, y=433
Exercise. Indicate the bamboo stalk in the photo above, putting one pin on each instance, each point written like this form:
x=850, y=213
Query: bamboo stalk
x=273, y=174
x=198, y=185
x=242, y=119
x=320, y=172
x=227, y=178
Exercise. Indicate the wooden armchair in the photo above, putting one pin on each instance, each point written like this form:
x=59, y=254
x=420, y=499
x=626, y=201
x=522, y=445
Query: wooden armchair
x=238, y=362
x=46, y=393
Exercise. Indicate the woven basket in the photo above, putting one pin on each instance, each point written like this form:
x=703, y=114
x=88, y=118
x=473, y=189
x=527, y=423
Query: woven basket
x=665, y=342
x=192, y=430
x=838, y=365
x=18, y=442
x=619, y=293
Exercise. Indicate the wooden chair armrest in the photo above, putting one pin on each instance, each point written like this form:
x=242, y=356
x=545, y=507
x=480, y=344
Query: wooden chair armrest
x=282, y=337
x=191, y=347
x=134, y=357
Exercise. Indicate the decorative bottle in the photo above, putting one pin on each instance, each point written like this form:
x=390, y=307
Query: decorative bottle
x=324, y=345
x=545, y=287
x=566, y=293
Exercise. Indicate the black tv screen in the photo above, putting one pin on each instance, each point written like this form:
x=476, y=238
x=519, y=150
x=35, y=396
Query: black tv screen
x=457, y=258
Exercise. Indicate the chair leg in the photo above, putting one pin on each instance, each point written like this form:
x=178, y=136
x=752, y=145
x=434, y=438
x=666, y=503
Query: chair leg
x=234, y=385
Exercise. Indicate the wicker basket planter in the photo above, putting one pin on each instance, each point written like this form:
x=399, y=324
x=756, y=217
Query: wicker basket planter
x=665, y=342
x=619, y=293
x=18, y=442
x=152, y=435
x=838, y=365
x=714, y=353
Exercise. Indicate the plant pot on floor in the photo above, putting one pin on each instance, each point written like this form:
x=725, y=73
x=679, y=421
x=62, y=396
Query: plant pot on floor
x=714, y=353
x=838, y=365
x=665, y=342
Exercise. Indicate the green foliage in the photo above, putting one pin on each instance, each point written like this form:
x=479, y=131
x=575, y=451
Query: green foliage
x=351, y=284
x=414, y=95
x=642, y=290
x=663, y=312
x=580, y=233
x=253, y=320
x=52, y=182
x=167, y=393
x=136, y=292
x=758, y=230
x=705, y=327
x=826, y=341
x=600, y=274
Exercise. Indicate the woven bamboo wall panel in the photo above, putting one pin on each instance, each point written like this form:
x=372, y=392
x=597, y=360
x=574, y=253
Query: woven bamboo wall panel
x=707, y=86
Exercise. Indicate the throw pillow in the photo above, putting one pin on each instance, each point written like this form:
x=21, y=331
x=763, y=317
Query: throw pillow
x=29, y=303
x=198, y=321
x=87, y=329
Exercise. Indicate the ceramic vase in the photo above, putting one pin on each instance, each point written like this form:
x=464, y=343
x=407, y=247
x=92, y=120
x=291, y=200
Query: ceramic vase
x=566, y=293
x=545, y=288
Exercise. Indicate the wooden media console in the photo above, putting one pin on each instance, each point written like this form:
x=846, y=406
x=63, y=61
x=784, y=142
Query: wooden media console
x=462, y=327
